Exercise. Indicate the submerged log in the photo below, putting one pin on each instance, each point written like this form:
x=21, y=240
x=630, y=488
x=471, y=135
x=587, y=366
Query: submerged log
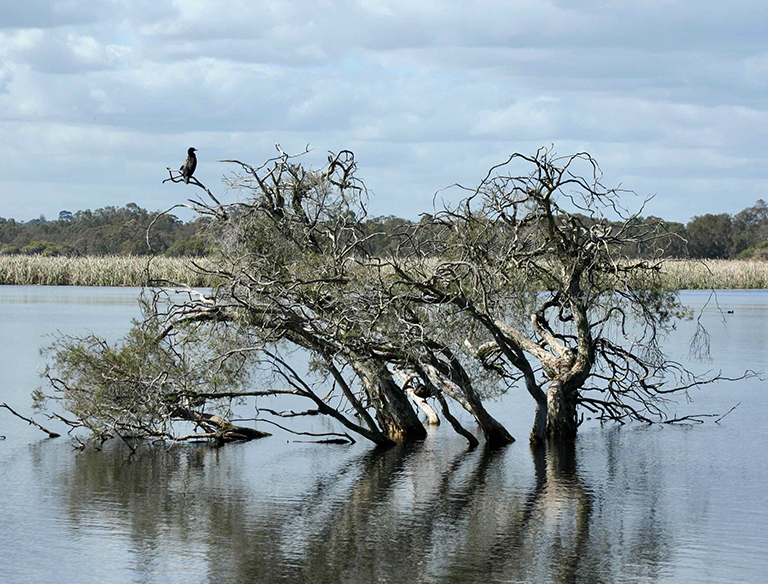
x=222, y=429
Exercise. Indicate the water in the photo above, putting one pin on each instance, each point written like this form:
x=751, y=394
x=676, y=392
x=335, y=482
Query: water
x=628, y=504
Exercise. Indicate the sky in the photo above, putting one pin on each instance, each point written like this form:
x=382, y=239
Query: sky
x=97, y=97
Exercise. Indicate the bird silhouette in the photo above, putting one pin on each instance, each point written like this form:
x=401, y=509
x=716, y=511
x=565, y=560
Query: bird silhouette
x=188, y=168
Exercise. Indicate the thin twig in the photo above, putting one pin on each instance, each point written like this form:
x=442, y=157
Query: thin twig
x=342, y=434
x=726, y=413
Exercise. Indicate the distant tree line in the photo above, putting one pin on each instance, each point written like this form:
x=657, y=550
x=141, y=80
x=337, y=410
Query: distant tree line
x=743, y=235
x=123, y=231
x=106, y=231
x=724, y=236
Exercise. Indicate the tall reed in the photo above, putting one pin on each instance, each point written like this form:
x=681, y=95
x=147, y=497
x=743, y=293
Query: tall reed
x=96, y=271
x=135, y=271
x=715, y=274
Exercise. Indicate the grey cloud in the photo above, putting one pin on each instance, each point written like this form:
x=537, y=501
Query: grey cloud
x=49, y=14
x=6, y=77
x=337, y=27
x=62, y=51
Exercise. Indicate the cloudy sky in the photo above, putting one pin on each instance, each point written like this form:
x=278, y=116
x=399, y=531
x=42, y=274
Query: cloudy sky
x=98, y=97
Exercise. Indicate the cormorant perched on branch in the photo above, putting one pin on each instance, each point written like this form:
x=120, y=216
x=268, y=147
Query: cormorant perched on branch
x=188, y=168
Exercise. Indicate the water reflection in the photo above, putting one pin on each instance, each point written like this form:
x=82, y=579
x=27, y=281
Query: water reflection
x=412, y=514
x=630, y=504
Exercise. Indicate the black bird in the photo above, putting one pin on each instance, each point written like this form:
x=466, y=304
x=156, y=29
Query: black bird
x=188, y=168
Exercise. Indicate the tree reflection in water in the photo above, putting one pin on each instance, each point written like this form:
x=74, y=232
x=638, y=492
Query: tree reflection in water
x=409, y=514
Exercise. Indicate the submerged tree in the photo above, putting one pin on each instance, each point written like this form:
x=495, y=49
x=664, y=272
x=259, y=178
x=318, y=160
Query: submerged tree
x=293, y=273
x=533, y=260
x=522, y=281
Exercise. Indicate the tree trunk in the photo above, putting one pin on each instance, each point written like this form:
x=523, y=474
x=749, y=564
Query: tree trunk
x=539, y=430
x=394, y=412
x=473, y=442
x=562, y=422
x=556, y=417
x=407, y=382
x=432, y=418
x=495, y=434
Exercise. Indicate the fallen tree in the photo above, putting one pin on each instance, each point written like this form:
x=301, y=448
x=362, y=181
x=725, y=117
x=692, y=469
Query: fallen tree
x=293, y=273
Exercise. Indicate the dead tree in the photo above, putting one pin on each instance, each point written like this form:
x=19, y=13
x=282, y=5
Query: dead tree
x=531, y=264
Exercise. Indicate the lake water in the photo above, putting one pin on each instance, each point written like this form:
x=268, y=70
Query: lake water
x=628, y=504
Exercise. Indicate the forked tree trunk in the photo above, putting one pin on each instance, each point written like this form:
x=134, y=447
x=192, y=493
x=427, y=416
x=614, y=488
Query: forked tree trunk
x=394, y=412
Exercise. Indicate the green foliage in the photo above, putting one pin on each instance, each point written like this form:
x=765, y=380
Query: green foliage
x=105, y=231
x=757, y=252
x=48, y=249
x=136, y=387
x=194, y=246
x=750, y=228
x=710, y=236
x=122, y=231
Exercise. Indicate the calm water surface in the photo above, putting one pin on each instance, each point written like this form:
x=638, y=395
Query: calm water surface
x=629, y=504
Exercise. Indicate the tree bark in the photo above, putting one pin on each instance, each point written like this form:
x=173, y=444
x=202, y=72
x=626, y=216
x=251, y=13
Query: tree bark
x=30, y=421
x=562, y=422
x=495, y=434
x=394, y=413
x=539, y=430
x=406, y=382
x=458, y=428
x=432, y=418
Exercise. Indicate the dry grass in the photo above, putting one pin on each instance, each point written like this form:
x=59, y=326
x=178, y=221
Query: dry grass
x=95, y=271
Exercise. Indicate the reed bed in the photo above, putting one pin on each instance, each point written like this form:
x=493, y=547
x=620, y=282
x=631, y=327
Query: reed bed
x=715, y=274
x=135, y=271
x=96, y=271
